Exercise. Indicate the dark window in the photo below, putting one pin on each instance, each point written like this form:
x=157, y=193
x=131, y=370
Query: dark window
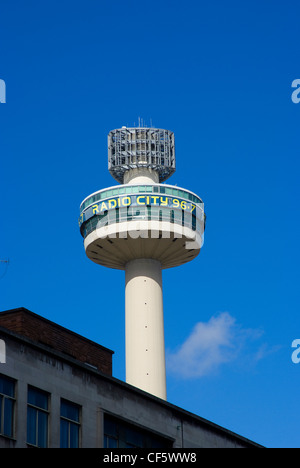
x=129, y=213
x=194, y=222
x=69, y=424
x=120, y=434
x=7, y=401
x=37, y=418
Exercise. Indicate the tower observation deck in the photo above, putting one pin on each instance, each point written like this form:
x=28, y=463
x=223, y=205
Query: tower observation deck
x=142, y=226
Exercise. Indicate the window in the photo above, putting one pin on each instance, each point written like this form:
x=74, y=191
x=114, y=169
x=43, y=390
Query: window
x=120, y=434
x=37, y=418
x=69, y=425
x=154, y=213
x=7, y=401
x=188, y=219
x=177, y=217
x=194, y=222
x=129, y=213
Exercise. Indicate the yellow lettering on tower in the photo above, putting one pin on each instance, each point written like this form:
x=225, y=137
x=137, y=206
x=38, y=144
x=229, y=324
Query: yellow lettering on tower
x=126, y=201
x=95, y=209
x=155, y=197
x=112, y=203
x=103, y=206
x=138, y=200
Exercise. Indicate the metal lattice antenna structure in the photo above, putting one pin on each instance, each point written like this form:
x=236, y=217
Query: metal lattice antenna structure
x=146, y=148
x=142, y=227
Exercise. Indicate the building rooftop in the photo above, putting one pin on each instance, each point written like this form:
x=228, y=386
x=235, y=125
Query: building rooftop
x=48, y=338
x=42, y=330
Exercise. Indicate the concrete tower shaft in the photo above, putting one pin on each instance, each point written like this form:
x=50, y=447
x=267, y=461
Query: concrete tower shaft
x=145, y=346
x=142, y=227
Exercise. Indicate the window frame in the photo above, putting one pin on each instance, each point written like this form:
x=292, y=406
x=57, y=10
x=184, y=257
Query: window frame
x=4, y=397
x=70, y=422
x=39, y=410
x=121, y=433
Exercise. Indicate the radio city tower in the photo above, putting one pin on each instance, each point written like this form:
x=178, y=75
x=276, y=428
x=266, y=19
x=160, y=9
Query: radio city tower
x=142, y=226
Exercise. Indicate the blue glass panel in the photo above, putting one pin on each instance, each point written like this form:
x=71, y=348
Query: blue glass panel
x=74, y=435
x=38, y=398
x=7, y=386
x=69, y=410
x=42, y=429
x=1, y=402
x=64, y=432
x=110, y=442
x=31, y=425
x=8, y=417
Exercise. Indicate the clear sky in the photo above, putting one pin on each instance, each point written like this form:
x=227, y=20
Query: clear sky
x=219, y=75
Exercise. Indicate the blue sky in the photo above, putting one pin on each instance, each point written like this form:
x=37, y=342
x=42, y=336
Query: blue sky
x=219, y=75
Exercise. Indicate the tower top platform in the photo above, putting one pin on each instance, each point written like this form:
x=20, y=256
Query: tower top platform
x=131, y=148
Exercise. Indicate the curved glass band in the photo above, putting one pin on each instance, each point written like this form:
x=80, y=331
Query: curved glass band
x=194, y=221
x=139, y=189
